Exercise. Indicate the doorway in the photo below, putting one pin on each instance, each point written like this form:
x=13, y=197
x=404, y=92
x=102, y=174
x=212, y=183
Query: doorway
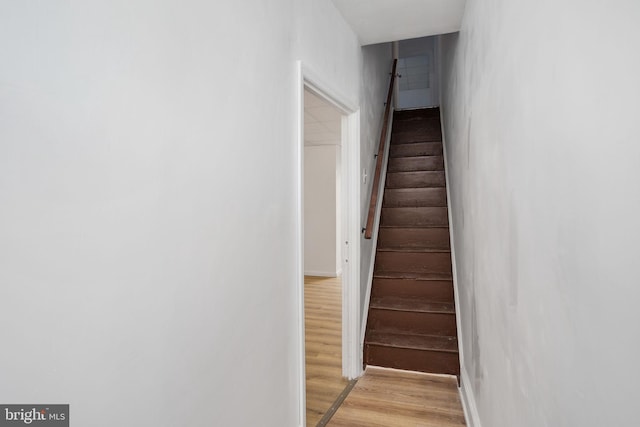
x=418, y=85
x=345, y=156
x=322, y=256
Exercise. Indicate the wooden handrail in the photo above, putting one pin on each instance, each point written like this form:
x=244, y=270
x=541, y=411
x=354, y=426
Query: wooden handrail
x=368, y=231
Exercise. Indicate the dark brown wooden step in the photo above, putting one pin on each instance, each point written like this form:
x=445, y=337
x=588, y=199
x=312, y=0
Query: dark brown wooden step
x=415, y=179
x=418, y=163
x=436, y=362
x=415, y=304
x=412, y=322
x=417, y=342
x=418, y=113
x=414, y=217
x=434, y=290
x=413, y=262
x=428, y=275
x=416, y=149
x=419, y=135
x=415, y=197
x=414, y=238
x=426, y=125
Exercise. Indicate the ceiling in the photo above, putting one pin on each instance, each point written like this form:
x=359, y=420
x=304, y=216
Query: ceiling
x=379, y=21
x=322, y=121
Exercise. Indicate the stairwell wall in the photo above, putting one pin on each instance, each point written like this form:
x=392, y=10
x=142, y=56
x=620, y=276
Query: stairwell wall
x=147, y=204
x=376, y=70
x=540, y=108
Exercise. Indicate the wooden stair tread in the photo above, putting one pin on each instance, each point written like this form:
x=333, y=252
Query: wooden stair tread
x=424, y=126
x=415, y=179
x=416, y=113
x=412, y=275
x=416, y=226
x=414, y=237
x=415, y=190
x=415, y=197
x=419, y=157
x=414, y=173
x=414, y=216
x=413, y=341
x=415, y=164
x=412, y=149
x=417, y=249
x=415, y=144
x=433, y=290
x=409, y=138
x=420, y=305
x=413, y=262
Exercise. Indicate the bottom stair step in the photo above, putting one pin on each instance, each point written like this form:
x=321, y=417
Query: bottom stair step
x=432, y=362
x=413, y=352
x=416, y=342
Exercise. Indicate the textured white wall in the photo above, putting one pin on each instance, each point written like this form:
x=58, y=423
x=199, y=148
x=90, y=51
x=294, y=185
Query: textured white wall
x=376, y=70
x=540, y=101
x=147, y=205
x=321, y=195
x=371, y=67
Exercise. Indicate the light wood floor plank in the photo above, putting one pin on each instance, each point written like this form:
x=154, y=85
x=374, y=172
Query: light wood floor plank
x=323, y=344
x=392, y=398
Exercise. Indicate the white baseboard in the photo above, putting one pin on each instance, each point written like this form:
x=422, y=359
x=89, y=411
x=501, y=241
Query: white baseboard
x=468, y=400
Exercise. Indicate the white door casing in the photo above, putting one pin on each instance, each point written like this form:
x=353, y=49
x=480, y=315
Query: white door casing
x=350, y=194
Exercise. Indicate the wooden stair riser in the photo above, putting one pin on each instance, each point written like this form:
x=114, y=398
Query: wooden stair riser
x=412, y=137
x=415, y=179
x=412, y=322
x=414, y=238
x=416, y=114
x=416, y=150
x=415, y=197
x=412, y=359
x=410, y=164
x=414, y=217
x=422, y=125
x=435, y=290
x=413, y=262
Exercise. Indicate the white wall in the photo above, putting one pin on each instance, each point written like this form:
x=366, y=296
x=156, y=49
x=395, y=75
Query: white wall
x=540, y=101
x=370, y=68
x=147, y=205
x=321, y=196
x=376, y=70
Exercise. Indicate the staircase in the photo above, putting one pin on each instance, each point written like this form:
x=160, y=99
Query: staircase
x=412, y=322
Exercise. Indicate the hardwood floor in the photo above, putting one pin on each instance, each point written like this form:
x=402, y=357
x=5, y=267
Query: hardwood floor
x=392, y=398
x=323, y=341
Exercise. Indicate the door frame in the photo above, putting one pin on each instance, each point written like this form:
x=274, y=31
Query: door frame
x=350, y=225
